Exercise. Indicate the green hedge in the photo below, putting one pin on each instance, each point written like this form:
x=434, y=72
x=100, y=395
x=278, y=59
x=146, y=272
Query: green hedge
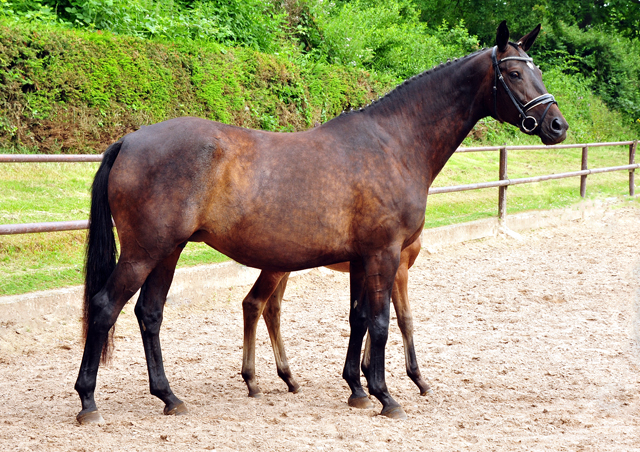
x=77, y=91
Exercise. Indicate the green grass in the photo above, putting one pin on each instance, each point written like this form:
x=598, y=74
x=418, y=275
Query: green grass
x=31, y=262
x=450, y=208
x=39, y=192
x=32, y=192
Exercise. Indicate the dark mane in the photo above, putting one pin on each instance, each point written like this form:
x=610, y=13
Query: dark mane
x=399, y=88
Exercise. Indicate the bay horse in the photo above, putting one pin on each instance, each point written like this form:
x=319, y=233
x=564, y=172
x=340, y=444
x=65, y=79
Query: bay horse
x=400, y=300
x=352, y=190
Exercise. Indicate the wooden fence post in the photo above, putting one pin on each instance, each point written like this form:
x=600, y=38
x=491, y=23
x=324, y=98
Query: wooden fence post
x=583, y=179
x=502, y=191
x=632, y=159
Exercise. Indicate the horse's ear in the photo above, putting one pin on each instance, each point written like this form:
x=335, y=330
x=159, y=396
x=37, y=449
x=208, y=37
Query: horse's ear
x=502, y=36
x=527, y=41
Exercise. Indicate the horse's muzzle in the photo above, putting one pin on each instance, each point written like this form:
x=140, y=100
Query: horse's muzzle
x=554, y=129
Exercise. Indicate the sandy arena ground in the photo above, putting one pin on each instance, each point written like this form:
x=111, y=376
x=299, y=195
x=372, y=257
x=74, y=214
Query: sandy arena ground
x=529, y=345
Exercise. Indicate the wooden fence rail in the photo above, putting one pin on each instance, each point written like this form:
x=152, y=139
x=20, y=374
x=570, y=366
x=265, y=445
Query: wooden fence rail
x=502, y=183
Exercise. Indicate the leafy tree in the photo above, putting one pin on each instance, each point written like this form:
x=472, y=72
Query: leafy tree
x=483, y=16
x=622, y=16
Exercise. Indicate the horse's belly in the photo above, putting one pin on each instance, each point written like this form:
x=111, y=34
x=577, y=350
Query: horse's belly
x=277, y=252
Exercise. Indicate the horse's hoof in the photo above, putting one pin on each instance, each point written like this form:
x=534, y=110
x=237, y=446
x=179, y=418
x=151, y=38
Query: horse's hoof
x=395, y=412
x=256, y=395
x=295, y=389
x=360, y=402
x=178, y=410
x=92, y=417
x=423, y=386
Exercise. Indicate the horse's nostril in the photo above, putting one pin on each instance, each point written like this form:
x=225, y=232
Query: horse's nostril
x=556, y=125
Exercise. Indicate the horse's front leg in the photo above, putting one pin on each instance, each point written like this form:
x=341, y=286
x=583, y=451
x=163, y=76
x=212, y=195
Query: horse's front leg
x=149, y=311
x=271, y=315
x=252, y=308
x=380, y=271
x=358, y=323
x=400, y=299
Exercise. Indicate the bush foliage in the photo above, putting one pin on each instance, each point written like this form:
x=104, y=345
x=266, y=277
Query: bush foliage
x=610, y=64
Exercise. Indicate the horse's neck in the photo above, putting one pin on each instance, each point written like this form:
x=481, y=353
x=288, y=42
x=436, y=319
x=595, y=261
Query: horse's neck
x=433, y=113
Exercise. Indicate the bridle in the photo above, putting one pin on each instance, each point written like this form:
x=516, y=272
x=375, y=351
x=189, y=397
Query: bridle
x=529, y=124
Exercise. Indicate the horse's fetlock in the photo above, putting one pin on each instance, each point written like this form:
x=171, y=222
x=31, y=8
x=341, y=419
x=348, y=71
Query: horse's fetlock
x=81, y=388
x=413, y=371
x=160, y=390
x=284, y=374
x=350, y=375
x=376, y=388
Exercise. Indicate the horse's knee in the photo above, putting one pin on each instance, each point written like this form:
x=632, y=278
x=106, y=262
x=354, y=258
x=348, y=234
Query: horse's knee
x=149, y=311
x=252, y=306
x=378, y=334
x=271, y=313
x=358, y=321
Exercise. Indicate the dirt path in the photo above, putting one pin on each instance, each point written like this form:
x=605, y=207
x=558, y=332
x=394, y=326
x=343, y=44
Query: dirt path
x=529, y=345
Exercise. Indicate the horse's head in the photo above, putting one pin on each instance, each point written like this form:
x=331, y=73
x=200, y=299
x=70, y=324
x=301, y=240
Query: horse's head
x=519, y=96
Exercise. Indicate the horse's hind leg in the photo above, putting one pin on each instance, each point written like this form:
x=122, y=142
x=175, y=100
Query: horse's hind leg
x=358, y=323
x=252, y=307
x=149, y=310
x=271, y=315
x=104, y=308
x=400, y=300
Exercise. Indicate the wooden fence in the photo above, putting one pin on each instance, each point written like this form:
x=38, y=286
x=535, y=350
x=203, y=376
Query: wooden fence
x=502, y=183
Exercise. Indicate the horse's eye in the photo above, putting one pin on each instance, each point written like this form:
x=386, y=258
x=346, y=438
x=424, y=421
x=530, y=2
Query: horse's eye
x=514, y=74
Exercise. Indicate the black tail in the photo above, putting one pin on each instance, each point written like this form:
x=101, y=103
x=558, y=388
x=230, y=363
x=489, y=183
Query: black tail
x=101, y=252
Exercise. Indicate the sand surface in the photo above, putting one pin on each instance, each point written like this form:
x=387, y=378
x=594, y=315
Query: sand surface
x=528, y=344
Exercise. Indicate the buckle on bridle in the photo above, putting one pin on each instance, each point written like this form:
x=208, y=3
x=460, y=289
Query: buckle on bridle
x=529, y=129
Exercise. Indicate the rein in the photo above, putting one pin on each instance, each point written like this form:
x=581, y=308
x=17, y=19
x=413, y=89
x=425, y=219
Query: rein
x=529, y=124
